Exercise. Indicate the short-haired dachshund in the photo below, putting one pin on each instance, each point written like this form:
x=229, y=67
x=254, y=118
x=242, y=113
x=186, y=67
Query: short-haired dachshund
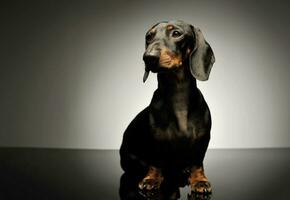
x=171, y=135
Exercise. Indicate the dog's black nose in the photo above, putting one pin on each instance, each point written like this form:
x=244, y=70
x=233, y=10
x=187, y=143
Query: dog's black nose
x=151, y=60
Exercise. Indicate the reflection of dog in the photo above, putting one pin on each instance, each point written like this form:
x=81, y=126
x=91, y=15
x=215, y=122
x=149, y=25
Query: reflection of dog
x=171, y=135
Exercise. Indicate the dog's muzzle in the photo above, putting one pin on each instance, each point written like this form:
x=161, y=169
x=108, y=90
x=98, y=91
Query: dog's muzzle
x=151, y=62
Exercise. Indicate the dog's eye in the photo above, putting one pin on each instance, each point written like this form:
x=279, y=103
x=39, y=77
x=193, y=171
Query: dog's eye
x=149, y=37
x=176, y=34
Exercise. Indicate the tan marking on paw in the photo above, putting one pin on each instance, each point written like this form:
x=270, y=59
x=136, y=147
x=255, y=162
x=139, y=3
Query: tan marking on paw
x=152, y=180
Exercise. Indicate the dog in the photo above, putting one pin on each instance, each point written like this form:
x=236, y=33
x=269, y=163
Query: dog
x=171, y=135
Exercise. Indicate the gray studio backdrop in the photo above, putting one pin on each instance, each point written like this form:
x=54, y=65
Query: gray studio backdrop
x=71, y=71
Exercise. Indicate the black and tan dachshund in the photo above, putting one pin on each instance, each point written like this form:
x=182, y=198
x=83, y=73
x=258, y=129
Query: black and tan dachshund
x=171, y=135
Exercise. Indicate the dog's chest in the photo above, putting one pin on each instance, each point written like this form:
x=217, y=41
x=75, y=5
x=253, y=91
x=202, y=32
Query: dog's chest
x=175, y=128
x=181, y=120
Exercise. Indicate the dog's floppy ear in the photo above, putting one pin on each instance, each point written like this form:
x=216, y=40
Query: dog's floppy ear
x=201, y=58
x=145, y=76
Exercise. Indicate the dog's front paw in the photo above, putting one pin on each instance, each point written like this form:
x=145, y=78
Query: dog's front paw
x=149, y=187
x=202, y=187
x=151, y=184
x=198, y=181
x=195, y=195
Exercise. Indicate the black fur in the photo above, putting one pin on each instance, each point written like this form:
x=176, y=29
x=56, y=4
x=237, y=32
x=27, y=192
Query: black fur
x=173, y=132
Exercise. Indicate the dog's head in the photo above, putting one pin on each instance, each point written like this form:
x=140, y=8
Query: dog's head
x=175, y=44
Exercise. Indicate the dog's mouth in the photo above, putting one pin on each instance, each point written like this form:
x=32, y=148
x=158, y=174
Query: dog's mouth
x=169, y=59
x=162, y=62
x=159, y=68
x=155, y=68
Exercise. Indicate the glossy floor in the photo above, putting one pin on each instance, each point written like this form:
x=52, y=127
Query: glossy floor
x=26, y=173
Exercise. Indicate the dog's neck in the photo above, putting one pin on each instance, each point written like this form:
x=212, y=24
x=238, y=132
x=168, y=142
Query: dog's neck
x=177, y=86
x=178, y=90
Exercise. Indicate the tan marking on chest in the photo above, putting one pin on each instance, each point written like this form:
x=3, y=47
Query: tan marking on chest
x=182, y=120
